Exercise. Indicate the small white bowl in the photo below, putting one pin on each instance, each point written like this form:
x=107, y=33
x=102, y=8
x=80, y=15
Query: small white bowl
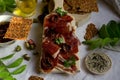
x=93, y=63
x=6, y=18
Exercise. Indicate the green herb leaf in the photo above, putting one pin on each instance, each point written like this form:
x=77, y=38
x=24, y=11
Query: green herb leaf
x=103, y=32
x=8, y=57
x=60, y=12
x=95, y=43
x=111, y=30
x=59, y=40
x=100, y=43
x=15, y=63
x=69, y=62
x=19, y=70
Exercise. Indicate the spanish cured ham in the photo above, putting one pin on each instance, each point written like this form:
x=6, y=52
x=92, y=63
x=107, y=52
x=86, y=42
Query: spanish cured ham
x=59, y=44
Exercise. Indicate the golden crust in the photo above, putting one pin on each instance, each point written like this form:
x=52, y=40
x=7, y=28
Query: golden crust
x=18, y=28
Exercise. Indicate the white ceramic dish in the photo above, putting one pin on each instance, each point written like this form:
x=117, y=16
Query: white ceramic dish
x=98, y=62
x=6, y=18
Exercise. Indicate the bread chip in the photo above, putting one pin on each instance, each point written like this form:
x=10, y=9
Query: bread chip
x=80, y=6
x=18, y=28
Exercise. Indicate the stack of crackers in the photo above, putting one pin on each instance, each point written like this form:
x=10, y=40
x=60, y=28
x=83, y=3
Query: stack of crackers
x=18, y=28
x=80, y=6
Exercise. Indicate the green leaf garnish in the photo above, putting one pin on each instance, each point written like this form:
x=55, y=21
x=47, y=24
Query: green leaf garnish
x=8, y=57
x=15, y=63
x=19, y=70
x=60, y=12
x=59, y=40
x=111, y=30
x=69, y=62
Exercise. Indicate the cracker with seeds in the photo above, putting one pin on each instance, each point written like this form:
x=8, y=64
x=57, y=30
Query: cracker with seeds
x=80, y=6
x=18, y=28
x=88, y=5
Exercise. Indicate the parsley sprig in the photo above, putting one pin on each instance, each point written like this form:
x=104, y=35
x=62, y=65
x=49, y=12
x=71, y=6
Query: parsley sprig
x=60, y=12
x=69, y=62
x=59, y=40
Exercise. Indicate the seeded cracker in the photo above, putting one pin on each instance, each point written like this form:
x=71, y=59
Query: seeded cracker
x=80, y=6
x=18, y=28
x=88, y=5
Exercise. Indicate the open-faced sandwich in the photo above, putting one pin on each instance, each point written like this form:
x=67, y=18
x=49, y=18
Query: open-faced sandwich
x=60, y=44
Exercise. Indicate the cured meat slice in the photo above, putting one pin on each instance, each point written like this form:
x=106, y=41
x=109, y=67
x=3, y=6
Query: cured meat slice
x=73, y=42
x=58, y=23
x=51, y=48
x=47, y=63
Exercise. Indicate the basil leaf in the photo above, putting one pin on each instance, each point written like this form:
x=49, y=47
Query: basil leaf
x=8, y=57
x=105, y=42
x=19, y=70
x=103, y=33
x=113, y=29
x=15, y=63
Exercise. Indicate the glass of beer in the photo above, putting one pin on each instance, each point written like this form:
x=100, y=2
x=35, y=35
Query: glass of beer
x=25, y=8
